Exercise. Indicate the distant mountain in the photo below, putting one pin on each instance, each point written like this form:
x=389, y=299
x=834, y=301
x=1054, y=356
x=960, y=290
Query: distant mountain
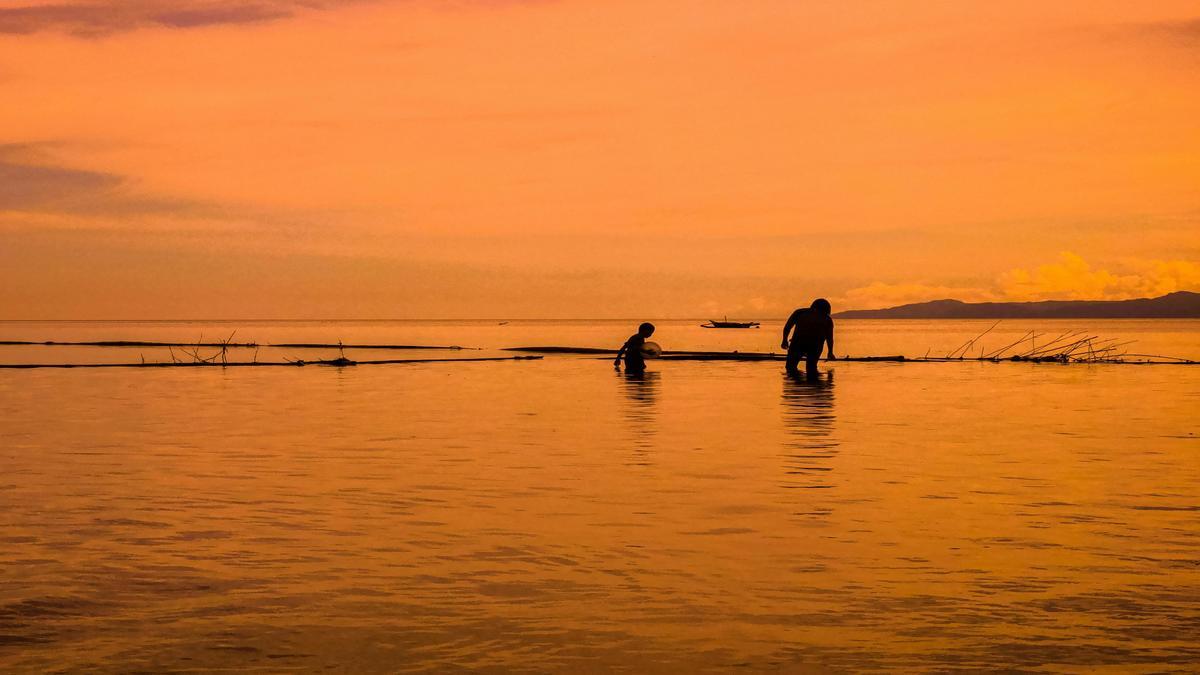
x=1179, y=305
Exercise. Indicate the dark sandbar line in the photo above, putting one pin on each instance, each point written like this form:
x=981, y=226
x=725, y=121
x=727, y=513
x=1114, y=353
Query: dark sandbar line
x=219, y=345
x=754, y=356
x=562, y=350
x=665, y=354
x=257, y=364
x=314, y=345
x=1150, y=359
x=1161, y=361
x=684, y=355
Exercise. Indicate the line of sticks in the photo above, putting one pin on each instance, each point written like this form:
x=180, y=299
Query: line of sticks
x=1125, y=359
x=1068, y=347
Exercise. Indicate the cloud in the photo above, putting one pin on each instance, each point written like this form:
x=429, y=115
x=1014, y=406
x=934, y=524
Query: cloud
x=1178, y=38
x=32, y=186
x=98, y=18
x=104, y=17
x=1184, y=32
x=1070, y=278
x=31, y=183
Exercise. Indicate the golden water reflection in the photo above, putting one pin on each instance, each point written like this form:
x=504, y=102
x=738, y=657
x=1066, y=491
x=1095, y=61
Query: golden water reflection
x=809, y=417
x=542, y=517
x=641, y=393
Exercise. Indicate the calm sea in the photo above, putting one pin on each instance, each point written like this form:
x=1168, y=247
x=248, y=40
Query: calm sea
x=554, y=516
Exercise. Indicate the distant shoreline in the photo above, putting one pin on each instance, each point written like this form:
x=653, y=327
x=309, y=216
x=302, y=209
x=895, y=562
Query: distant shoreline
x=1178, y=305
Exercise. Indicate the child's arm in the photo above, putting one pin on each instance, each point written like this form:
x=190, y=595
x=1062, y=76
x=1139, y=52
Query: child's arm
x=787, y=329
x=617, y=361
x=829, y=339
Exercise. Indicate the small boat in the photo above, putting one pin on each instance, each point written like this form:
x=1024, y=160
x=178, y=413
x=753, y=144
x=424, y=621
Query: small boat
x=713, y=323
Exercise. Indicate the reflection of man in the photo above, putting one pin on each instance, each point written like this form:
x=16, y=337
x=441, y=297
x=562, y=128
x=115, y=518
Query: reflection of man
x=814, y=327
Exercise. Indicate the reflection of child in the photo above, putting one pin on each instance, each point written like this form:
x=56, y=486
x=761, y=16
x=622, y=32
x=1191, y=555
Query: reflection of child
x=632, y=350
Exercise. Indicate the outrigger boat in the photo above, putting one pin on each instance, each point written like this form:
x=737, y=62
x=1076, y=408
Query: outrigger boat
x=713, y=323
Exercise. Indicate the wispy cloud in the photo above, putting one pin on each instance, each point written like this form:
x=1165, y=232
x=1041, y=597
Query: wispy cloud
x=1186, y=31
x=28, y=185
x=1177, y=36
x=31, y=181
x=104, y=17
x=99, y=18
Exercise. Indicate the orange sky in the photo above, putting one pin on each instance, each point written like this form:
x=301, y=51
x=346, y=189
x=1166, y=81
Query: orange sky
x=411, y=158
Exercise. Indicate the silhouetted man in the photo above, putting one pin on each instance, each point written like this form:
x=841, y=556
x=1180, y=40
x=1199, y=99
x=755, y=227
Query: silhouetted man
x=814, y=328
x=635, y=362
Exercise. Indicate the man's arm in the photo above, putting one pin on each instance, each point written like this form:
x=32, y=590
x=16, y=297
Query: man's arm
x=620, y=353
x=787, y=330
x=829, y=339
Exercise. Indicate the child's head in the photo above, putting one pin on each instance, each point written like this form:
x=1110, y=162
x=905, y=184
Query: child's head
x=646, y=329
x=822, y=306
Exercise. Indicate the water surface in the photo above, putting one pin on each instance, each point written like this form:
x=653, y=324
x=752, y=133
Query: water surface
x=556, y=516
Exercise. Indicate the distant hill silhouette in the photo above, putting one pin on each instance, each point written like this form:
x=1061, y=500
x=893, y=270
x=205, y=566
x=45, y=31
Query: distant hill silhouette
x=1178, y=305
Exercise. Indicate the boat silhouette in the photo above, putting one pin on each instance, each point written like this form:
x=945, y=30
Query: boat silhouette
x=713, y=323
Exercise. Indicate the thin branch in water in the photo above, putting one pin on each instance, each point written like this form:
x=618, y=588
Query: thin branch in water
x=1057, y=341
x=1050, y=348
x=998, y=352
x=970, y=343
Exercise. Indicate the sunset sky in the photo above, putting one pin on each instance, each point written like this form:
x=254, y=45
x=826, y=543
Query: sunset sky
x=492, y=158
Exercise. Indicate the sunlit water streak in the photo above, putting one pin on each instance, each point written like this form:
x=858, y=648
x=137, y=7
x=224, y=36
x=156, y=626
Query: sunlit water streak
x=558, y=516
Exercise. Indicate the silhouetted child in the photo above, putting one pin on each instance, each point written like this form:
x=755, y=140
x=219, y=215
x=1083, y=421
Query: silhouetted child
x=814, y=327
x=635, y=362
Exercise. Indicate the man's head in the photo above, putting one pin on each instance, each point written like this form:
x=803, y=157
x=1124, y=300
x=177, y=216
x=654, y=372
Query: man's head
x=646, y=329
x=822, y=306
